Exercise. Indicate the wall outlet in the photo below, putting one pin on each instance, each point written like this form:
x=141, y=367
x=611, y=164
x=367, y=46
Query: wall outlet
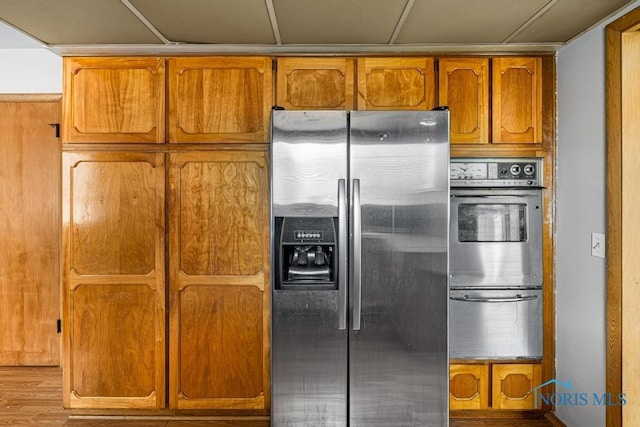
x=597, y=245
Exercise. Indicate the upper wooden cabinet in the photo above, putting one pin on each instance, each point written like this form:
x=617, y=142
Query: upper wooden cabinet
x=220, y=99
x=113, y=280
x=315, y=83
x=464, y=87
x=219, y=280
x=114, y=100
x=396, y=83
x=517, y=100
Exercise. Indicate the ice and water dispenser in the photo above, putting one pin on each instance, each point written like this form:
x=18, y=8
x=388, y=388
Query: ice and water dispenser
x=306, y=250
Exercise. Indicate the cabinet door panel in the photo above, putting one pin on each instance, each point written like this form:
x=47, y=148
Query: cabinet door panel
x=468, y=386
x=512, y=385
x=115, y=100
x=464, y=87
x=396, y=83
x=517, y=100
x=220, y=99
x=219, y=266
x=315, y=83
x=113, y=280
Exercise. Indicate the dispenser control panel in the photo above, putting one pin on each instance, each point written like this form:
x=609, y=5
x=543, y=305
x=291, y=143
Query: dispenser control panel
x=308, y=235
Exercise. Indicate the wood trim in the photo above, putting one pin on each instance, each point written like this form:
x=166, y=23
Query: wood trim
x=30, y=97
x=554, y=420
x=614, y=134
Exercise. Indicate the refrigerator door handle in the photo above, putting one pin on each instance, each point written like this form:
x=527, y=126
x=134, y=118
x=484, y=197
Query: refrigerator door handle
x=342, y=254
x=357, y=256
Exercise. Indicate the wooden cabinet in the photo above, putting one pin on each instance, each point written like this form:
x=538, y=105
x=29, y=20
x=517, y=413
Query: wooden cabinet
x=114, y=100
x=113, y=280
x=494, y=385
x=512, y=386
x=464, y=88
x=406, y=83
x=517, y=100
x=315, y=83
x=469, y=386
x=219, y=99
x=219, y=280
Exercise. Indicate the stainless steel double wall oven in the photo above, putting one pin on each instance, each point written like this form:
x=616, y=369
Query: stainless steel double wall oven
x=496, y=258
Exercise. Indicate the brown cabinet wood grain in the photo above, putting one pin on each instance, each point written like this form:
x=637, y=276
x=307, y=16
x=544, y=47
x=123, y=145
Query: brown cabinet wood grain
x=219, y=99
x=517, y=100
x=404, y=83
x=113, y=100
x=512, y=385
x=469, y=386
x=113, y=280
x=464, y=88
x=315, y=83
x=219, y=289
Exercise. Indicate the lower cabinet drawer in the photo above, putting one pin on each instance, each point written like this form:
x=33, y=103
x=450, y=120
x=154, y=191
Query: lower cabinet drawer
x=512, y=386
x=494, y=386
x=469, y=386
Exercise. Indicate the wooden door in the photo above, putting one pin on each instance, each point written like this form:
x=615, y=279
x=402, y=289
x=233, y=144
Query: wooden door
x=220, y=99
x=468, y=386
x=113, y=280
x=464, y=87
x=114, y=100
x=220, y=280
x=315, y=83
x=517, y=100
x=29, y=218
x=512, y=386
x=396, y=83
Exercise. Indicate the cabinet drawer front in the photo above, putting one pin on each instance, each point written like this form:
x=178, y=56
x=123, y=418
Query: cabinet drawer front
x=468, y=387
x=512, y=386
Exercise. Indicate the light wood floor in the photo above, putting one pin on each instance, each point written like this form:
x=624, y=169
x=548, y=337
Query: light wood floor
x=33, y=397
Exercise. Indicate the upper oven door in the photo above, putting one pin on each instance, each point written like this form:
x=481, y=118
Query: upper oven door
x=496, y=238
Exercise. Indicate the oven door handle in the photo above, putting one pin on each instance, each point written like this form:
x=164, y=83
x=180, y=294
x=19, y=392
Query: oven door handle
x=484, y=196
x=517, y=298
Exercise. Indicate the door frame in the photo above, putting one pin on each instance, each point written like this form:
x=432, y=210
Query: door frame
x=622, y=47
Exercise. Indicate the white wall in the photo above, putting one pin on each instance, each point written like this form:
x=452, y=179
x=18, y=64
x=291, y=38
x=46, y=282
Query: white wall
x=581, y=208
x=30, y=71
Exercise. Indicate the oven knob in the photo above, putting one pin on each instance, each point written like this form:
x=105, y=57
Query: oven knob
x=529, y=170
x=503, y=171
x=515, y=169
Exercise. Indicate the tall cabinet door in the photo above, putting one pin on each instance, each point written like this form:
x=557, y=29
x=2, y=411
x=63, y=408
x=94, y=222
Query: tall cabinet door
x=115, y=100
x=464, y=87
x=220, y=280
x=396, y=83
x=315, y=83
x=517, y=100
x=220, y=99
x=113, y=280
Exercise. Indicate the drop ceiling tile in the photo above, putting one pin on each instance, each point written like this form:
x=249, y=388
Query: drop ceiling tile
x=337, y=21
x=566, y=19
x=466, y=22
x=63, y=22
x=207, y=21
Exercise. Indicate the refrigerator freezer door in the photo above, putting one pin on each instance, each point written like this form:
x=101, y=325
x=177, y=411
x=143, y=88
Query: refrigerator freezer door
x=309, y=156
x=398, y=358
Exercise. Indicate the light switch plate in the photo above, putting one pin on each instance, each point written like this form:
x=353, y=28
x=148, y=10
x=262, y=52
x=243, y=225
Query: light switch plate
x=597, y=245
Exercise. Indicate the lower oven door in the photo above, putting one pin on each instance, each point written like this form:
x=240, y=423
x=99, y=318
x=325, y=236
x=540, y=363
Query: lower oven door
x=495, y=324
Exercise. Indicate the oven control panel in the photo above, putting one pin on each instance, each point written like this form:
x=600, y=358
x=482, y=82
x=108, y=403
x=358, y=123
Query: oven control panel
x=496, y=172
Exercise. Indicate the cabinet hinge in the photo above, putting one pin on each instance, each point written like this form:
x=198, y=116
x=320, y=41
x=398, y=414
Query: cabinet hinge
x=57, y=126
x=58, y=325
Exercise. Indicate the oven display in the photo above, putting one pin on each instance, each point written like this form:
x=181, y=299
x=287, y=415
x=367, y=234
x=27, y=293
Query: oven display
x=468, y=171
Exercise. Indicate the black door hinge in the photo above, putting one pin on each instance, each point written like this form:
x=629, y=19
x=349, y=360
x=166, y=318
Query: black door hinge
x=57, y=126
x=58, y=325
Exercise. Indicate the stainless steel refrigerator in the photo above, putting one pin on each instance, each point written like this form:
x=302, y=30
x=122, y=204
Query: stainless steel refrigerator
x=360, y=211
